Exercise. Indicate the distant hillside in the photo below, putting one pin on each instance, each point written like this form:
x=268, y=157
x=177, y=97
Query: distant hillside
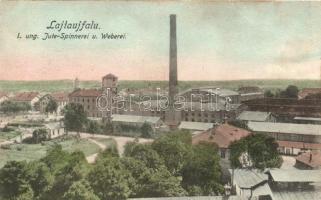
x=67, y=85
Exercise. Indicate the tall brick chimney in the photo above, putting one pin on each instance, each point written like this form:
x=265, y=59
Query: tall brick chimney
x=172, y=60
x=172, y=116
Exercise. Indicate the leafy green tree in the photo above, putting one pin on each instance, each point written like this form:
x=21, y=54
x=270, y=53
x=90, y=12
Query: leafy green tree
x=40, y=135
x=262, y=151
x=203, y=172
x=268, y=94
x=109, y=180
x=27, y=195
x=55, y=158
x=75, y=117
x=80, y=190
x=14, y=178
x=75, y=169
x=40, y=178
x=162, y=183
x=13, y=107
x=239, y=124
x=290, y=92
x=110, y=151
x=175, y=149
x=145, y=153
x=108, y=128
x=140, y=174
x=146, y=130
x=51, y=106
x=93, y=127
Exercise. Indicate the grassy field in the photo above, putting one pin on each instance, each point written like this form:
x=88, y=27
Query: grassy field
x=8, y=135
x=30, y=152
x=67, y=85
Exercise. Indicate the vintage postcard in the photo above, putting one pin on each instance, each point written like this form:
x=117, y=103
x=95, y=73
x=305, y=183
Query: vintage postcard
x=160, y=100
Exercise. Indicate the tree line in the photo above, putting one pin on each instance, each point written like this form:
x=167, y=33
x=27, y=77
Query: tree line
x=170, y=166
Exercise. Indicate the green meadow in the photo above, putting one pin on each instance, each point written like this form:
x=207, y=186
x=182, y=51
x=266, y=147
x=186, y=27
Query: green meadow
x=67, y=85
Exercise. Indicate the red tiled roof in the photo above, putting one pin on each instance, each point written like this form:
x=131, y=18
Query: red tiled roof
x=307, y=91
x=315, y=159
x=25, y=96
x=299, y=145
x=60, y=96
x=86, y=93
x=3, y=94
x=223, y=135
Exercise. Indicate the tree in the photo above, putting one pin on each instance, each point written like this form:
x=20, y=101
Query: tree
x=239, y=124
x=161, y=183
x=203, y=172
x=14, y=178
x=51, y=106
x=290, y=92
x=55, y=158
x=268, y=94
x=75, y=117
x=140, y=174
x=145, y=153
x=40, y=178
x=93, y=127
x=262, y=150
x=175, y=148
x=13, y=107
x=40, y=135
x=146, y=130
x=80, y=190
x=110, y=151
x=74, y=170
x=109, y=180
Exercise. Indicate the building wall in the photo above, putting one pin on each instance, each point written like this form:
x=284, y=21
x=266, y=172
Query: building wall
x=89, y=104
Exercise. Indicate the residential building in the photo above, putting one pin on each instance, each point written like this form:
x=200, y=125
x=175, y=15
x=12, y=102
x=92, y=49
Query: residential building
x=222, y=135
x=3, y=97
x=309, y=160
x=251, y=183
x=26, y=97
x=62, y=100
x=308, y=91
x=87, y=98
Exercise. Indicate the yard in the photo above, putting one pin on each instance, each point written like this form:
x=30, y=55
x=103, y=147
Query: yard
x=8, y=135
x=30, y=152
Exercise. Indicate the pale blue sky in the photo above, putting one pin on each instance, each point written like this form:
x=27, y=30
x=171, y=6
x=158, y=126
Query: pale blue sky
x=215, y=40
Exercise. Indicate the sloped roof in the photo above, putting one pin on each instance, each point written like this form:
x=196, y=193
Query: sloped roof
x=295, y=175
x=25, y=96
x=200, y=126
x=307, y=91
x=134, y=119
x=254, y=116
x=110, y=76
x=3, y=94
x=248, y=178
x=270, y=127
x=299, y=145
x=86, y=93
x=223, y=135
x=296, y=195
x=316, y=119
x=315, y=159
x=60, y=96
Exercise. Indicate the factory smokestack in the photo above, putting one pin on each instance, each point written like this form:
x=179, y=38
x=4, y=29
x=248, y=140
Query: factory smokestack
x=172, y=117
x=172, y=59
